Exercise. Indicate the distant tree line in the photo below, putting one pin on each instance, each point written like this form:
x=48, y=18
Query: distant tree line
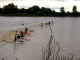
x=13, y=10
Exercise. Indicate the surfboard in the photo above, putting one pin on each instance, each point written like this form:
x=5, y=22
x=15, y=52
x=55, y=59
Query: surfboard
x=19, y=42
x=26, y=39
x=31, y=30
x=30, y=35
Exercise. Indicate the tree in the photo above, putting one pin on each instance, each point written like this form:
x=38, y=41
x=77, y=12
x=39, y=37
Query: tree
x=53, y=13
x=22, y=10
x=42, y=11
x=35, y=9
x=48, y=12
x=1, y=10
x=62, y=10
x=10, y=9
x=68, y=13
x=29, y=10
x=74, y=9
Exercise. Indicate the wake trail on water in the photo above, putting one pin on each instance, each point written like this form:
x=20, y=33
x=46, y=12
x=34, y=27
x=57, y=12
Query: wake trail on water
x=10, y=34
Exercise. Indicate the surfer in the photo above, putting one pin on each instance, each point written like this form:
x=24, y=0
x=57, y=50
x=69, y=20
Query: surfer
x=49, y=22
x=22, y=35
x=22, y=24
x=41, y=24
x=46, y=23
x=21, y=32
x=18, y=37
x=26, y=30
x=52, y=22
x=15, y=38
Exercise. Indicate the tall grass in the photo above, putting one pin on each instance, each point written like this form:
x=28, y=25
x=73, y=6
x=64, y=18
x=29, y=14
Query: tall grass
x=51, y=52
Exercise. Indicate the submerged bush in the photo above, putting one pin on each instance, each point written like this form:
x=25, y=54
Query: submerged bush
x=52, y=50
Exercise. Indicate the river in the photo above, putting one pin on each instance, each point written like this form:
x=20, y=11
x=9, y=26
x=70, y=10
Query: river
x=66, y=31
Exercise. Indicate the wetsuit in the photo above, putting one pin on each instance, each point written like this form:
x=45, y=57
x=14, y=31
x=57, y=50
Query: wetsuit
x=15, y=39
x=52, y=22
x=41, y=24
x=26, y=30
x=18, y=37
x=49, y=23
x=22, y=35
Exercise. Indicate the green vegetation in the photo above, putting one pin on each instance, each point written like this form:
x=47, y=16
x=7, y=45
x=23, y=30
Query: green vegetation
x=13, y=10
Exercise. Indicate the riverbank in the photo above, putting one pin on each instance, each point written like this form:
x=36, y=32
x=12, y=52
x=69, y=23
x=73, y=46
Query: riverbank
x=35, y=16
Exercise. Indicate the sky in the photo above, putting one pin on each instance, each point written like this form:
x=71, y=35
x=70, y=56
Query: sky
x=52, y=4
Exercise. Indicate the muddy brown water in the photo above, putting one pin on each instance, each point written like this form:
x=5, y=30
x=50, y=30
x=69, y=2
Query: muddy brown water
x=66, y=31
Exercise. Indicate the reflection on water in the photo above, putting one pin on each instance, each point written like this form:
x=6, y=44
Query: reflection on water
x=15, y=46
x=65, y=30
